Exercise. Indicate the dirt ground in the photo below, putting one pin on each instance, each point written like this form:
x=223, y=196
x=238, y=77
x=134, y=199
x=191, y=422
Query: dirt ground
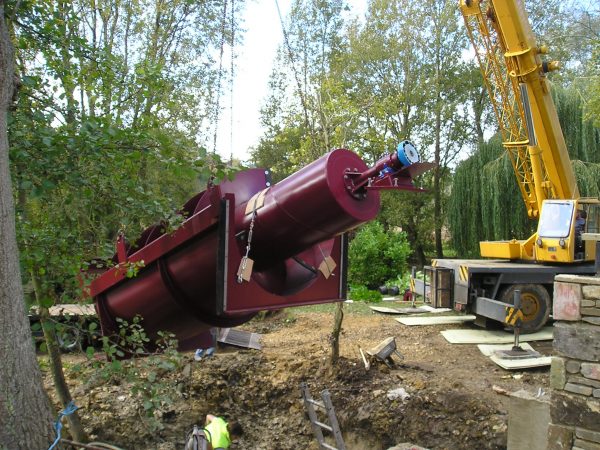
x=451, y=402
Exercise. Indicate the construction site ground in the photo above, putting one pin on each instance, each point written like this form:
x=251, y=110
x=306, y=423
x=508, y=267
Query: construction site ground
x=452, y=399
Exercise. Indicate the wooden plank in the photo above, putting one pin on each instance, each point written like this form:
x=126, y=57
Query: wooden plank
x=70, y=309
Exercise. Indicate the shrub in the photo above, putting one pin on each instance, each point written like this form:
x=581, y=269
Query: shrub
x=361, y=293
x=376, y=256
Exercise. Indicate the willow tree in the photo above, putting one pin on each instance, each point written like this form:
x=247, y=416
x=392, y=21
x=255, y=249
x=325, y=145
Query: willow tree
x=486, y=204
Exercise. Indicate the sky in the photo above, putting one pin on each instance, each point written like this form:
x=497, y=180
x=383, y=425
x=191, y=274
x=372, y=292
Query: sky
x=254, y=60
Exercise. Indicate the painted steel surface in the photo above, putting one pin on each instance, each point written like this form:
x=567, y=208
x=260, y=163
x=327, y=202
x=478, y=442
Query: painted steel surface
x=188, y=279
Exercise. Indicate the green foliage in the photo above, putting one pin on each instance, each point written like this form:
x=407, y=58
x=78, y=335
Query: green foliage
x=376, y=255
x=107, y=129
x=146, y=371
x=361, y=293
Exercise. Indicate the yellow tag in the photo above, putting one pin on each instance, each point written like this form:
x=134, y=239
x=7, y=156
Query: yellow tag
x=327, y=267
x=245, y=271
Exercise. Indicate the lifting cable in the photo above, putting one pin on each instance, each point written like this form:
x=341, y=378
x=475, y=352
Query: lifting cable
x=219, y=76
x=231, y=83
x=294, y=70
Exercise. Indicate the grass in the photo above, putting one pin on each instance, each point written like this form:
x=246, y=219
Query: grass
x=358, y=308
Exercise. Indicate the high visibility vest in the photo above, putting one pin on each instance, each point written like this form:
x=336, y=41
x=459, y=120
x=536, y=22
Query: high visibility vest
x=218, y=435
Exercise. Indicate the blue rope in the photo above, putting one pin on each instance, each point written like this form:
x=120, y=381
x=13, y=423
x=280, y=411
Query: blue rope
x=70, y=409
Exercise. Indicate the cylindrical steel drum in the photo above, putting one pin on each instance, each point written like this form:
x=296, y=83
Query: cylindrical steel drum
x=310, y=206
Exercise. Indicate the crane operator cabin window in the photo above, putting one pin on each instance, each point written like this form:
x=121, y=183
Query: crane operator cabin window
x=555, y=220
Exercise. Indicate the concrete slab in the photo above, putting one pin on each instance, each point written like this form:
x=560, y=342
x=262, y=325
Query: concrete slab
x=386, y=310
x=528, y=419
x=431, y=309
x=467, y=336
x=489, y=349
x=434, y=320
x=525, y=363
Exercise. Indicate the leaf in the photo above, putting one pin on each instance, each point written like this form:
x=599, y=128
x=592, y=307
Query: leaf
x=46, y=302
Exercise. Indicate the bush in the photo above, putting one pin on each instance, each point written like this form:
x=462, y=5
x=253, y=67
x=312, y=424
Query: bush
x=361, y=293
x=376, y=256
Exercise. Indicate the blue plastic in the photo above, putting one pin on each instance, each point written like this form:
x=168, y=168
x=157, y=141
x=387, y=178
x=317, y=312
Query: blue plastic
x=407, y=153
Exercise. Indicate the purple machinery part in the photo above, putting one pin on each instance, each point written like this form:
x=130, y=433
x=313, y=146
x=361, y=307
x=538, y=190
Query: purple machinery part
x=196, y=278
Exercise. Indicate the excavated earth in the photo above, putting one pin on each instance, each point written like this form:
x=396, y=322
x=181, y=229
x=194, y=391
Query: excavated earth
x=452, y=400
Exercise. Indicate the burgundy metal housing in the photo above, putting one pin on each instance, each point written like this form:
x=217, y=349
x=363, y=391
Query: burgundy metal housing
x=188, y=282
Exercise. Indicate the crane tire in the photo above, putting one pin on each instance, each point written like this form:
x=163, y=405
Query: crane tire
x=535, y=305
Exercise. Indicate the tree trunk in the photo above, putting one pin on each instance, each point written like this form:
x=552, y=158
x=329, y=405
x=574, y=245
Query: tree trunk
x=437, y=185
x=335, y=334
x=58, y=376
x=26, y=417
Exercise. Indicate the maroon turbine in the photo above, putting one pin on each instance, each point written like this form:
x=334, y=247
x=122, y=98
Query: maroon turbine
x=247, y=246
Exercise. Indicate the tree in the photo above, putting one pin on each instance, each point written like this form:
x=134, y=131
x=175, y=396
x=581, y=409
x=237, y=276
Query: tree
x=25, y=414
x=447, y=82
x=485, y=184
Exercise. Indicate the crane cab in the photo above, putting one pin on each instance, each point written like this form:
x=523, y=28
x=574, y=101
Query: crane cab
x=560, y=227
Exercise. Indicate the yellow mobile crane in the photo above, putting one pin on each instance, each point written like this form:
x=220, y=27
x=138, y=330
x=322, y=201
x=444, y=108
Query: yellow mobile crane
x=515, y=77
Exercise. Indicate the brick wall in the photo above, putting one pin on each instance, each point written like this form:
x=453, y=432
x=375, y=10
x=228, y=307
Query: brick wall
x=575, y=370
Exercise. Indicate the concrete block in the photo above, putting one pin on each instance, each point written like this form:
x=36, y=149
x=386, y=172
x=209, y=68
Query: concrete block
x=577, y=340
x=588, y=435
x=406, y=446
x=579, y=389
x=567, y=301
x=582, y=279
x=572, y=366
x=585, y=445
x=592, y=320
x=583, y=381
x=528, y=420
x=591, y=291
x=558, y=376
x=575, y=410
x=591, y=370
x=590, y=312
x=559, y=437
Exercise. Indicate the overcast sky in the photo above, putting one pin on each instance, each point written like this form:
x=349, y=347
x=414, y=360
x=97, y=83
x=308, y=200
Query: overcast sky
x=253, y=65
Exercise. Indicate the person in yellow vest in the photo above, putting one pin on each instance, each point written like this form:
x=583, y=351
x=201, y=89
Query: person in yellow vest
x=218, y=432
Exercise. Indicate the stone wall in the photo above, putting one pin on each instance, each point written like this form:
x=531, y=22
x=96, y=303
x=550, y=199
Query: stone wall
x=575, y=371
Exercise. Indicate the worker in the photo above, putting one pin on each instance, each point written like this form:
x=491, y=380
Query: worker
x=579, y=228
x=216, y=432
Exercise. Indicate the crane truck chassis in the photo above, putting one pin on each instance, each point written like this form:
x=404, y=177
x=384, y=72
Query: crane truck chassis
x=485, y=287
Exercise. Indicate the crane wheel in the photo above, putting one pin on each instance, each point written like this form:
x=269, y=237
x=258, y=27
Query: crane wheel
x=535, y=305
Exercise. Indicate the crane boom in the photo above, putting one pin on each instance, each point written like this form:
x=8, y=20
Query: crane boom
x=515, y=77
